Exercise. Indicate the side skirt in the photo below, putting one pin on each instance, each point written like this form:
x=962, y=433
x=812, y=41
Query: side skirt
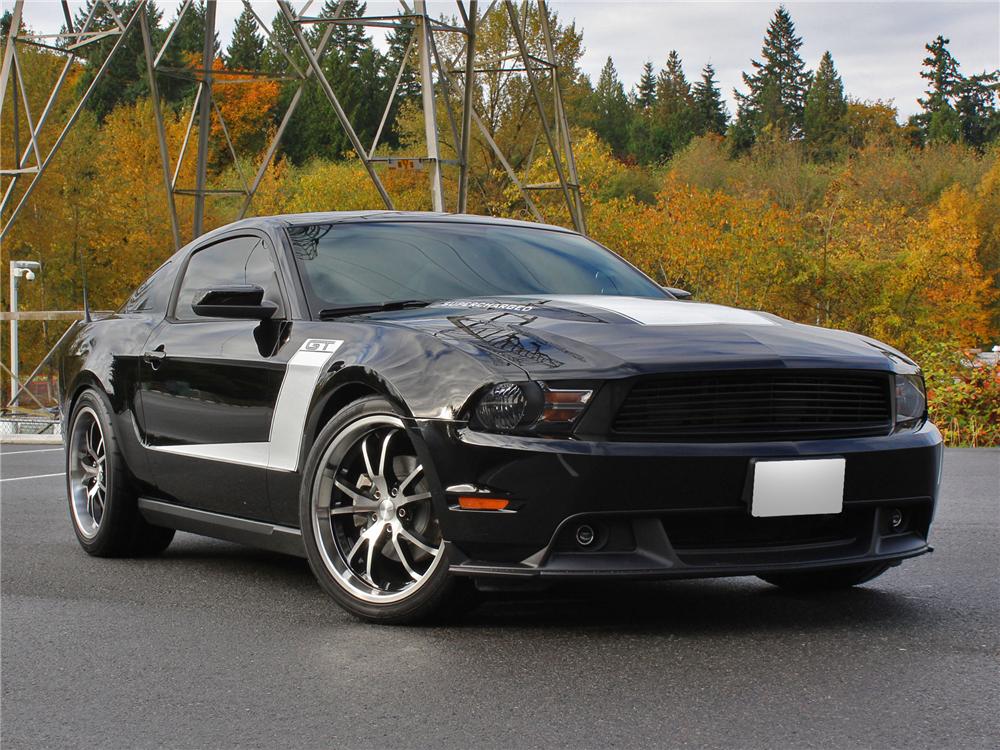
x=240, y=530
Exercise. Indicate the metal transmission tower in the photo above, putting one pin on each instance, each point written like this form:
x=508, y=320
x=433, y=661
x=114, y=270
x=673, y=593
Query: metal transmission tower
x=449, y=82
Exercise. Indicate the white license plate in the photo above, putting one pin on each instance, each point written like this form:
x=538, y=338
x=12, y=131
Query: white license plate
x=805, y=487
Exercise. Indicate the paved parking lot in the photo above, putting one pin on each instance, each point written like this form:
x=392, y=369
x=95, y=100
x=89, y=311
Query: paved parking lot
x=215, y=645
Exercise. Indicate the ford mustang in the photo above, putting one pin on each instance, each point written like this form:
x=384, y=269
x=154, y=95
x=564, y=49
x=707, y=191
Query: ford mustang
x=424, y=404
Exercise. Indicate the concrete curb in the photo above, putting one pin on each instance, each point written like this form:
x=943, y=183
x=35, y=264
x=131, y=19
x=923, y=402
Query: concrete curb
x=30, y=439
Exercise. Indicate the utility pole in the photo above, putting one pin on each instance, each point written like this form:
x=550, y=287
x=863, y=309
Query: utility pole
x=18, y=268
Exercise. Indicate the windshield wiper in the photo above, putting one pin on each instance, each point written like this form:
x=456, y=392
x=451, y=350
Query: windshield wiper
x=330, y=313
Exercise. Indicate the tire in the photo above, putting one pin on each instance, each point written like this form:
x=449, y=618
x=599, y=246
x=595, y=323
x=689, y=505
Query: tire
x=368, y=521
x=102, y=499
x=826, y=580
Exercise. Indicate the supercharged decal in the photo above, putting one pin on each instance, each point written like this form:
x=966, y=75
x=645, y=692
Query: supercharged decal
x=478, y=305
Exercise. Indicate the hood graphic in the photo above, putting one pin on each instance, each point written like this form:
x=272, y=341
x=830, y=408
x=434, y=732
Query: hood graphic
x=654, y=312
x=586, y=336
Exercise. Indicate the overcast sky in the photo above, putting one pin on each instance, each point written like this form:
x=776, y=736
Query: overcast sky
x=877, y=46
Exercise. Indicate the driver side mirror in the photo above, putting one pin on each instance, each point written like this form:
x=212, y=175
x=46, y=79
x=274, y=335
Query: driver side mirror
x=243, y=301
x=681, y=294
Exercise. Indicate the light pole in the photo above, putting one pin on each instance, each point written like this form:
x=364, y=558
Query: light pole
x=18, y=268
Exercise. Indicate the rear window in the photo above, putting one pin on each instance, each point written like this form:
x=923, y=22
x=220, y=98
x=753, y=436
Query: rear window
x=152, y=295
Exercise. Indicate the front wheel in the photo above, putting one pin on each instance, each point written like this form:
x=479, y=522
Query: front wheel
x=826, y=580
x=368, y=521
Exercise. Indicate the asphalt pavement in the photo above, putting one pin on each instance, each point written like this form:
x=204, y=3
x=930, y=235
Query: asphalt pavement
x=215, y=645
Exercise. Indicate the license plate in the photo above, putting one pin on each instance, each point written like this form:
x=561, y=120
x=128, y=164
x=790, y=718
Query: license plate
x=804, y=487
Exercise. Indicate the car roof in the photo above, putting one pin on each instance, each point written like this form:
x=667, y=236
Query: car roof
x=341, y=217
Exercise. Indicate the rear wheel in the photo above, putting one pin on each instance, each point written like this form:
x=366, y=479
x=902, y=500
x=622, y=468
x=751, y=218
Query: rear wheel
x=102, y=502
x=368, y=519
x=826, y=580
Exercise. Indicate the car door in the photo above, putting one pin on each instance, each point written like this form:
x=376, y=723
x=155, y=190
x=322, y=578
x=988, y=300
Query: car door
x=209, y=385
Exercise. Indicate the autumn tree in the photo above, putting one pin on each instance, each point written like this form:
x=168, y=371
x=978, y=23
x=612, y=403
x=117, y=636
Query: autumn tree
x=942, y=292
x=247, y=107
x=872, y=123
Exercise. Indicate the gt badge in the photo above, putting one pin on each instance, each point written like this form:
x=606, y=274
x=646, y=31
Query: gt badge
x=320, y=345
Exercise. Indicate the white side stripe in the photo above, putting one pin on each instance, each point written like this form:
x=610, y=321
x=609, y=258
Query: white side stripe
x=297, y=389
x=281, y=451
x=247, y=454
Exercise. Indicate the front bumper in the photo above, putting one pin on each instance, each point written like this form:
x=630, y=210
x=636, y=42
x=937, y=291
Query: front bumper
x=672, y=510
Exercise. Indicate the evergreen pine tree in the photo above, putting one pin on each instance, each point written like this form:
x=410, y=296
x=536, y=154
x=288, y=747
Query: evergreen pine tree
x=186, y=48
x=125, y=80
x=353, y=67
x=710, y=115
x=611, y=109
x=5, y=21
x=941, y=73
x=282, y=38
x=938, y=120
x=776, y=90
x=945, y=125
x=409, y=85
x=674, y=116
x=824, y=118
x=645, y=96
x=673, y=92
x=349, y=39
x=246, y=48
x=976, y=107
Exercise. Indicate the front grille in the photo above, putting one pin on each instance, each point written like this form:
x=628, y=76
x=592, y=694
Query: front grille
x=756, y=405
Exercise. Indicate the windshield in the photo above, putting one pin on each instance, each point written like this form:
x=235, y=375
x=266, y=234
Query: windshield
x=355, y=264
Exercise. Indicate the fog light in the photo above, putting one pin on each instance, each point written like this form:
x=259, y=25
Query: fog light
x=896, y=519
x=585, y=535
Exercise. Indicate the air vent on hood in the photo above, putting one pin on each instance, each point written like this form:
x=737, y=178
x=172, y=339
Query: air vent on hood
x=756, y=406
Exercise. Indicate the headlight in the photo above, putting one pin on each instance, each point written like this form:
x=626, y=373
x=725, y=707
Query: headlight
x=502, y=407
x=507, y=406
x=911, y=401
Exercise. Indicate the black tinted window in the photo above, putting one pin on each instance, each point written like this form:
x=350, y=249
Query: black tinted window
x=152, y=295
x=360, y=263
x=241, y=260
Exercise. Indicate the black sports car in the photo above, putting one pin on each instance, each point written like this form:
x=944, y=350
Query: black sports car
x=419, y=402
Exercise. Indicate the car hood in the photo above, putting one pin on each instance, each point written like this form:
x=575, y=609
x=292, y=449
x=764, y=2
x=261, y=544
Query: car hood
x=581, y=336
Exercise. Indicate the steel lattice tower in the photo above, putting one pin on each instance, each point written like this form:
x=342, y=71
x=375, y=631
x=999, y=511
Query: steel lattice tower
x=452, y=81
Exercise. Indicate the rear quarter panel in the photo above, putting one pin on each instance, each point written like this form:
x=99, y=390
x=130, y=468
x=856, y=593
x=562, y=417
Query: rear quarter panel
x=105, y=354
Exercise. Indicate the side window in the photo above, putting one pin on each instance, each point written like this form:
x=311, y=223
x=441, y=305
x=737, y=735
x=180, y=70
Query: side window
x=152, y=295
x=241, y=260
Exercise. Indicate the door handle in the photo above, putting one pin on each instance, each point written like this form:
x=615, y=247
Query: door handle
x=155, y=357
